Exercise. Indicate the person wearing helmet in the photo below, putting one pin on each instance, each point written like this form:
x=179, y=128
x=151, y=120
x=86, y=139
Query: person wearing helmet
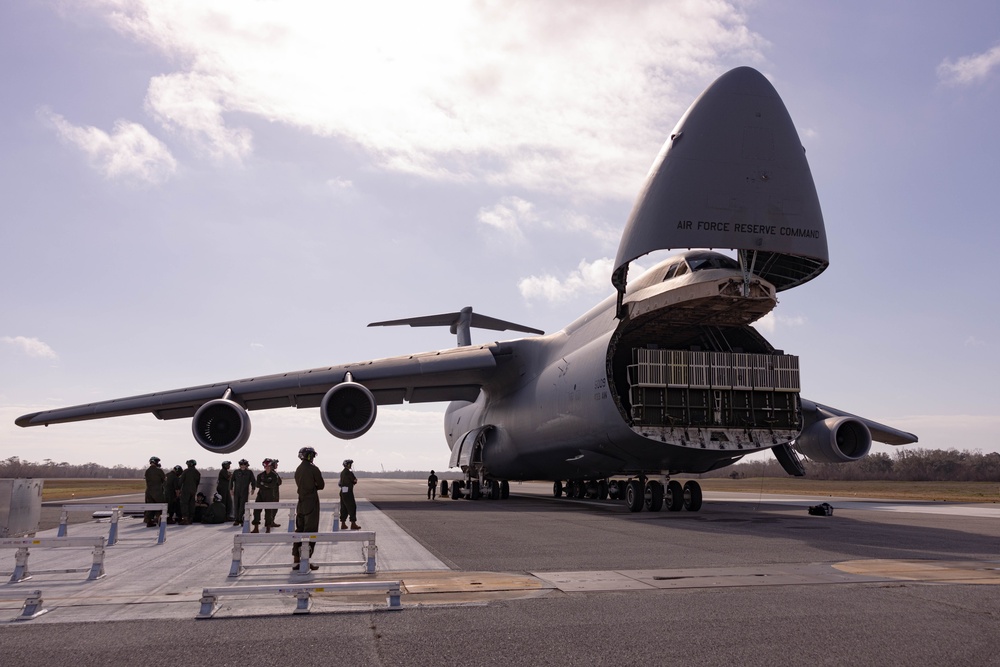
x=242, y=483
x=172, y=492
x=155, y=478
x=222, y=488
x=216, y=511
x=432, y=485
x=348, y=506
x=267, y=492
x=190, y=479
x=308, y=482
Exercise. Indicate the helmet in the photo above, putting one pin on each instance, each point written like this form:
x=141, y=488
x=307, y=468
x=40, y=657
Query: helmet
x=274, y=463
x=348, y=463
x=190, y=463
x=432, y=472
x=267, y=462
x=217, y=498
x=307, y=453
x=226, y=464
x=178, y=469
x=244, y=462
x=154, y=460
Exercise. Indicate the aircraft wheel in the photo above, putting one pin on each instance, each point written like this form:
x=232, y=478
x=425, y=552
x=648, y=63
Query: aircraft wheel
x=456, y=489
x=504, y=490
x=475, y=493
x=602, y=489
x=633, y=495
x=675, y=496
x=444, y=488
x=692, y=496
x=557, y=489
x=614, y=490
x=494, y=489
x=654, y=496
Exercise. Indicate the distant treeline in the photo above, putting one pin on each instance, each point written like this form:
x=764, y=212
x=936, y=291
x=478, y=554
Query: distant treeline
x=905, y=465
x=49, y=469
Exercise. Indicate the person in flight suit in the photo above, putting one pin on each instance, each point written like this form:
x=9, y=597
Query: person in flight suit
x=432, y=483
x=155, y=478
x=267, y=492
x=243, y=481
x=222, y=487
x=172, y=491
x=190, y=479
x=309, y=481
x=348, y=505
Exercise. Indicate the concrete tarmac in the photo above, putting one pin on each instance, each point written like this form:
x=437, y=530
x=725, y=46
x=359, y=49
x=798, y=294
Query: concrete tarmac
x=748, y=580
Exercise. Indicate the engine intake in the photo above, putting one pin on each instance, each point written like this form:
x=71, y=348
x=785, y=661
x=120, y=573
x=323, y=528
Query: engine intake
x=835, y=440
x=221, y=426
x=348, y=410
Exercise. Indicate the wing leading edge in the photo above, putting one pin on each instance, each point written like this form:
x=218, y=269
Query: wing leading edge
x=879, y=432
x=453, y=374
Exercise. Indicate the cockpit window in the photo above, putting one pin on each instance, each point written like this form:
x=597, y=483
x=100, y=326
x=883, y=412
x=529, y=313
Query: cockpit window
x=713, y=262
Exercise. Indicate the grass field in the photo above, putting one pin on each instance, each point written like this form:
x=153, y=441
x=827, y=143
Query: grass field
x=964, y=492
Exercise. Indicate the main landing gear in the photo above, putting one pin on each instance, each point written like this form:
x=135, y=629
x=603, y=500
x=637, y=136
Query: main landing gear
x=494, y=489
x=636, y=492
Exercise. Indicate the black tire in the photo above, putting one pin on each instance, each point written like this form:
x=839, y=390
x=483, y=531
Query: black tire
x=615, y=490
x=674, y=497
x=602, y=489
x=444, y=488
x=557, y=489
x=692, y=496
x=654, y=496
x=504, y=490
x=456, y=489
x=475, y=493
x=633, y=495
x=580, y=490
x=494, y=489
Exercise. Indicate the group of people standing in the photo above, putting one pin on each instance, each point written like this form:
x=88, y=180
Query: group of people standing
x=178, y=488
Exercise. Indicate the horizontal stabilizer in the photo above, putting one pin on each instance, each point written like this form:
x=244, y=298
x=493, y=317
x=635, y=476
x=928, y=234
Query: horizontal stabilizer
x=460, y=323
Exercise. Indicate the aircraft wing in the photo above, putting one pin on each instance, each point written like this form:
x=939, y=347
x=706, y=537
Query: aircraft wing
x=453, y=374
x=880, y=432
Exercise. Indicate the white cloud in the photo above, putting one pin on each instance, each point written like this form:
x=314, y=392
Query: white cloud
x=588, y=278
x=969, y=69
x=974, y=341
x=562, y=96
x=509, y=216
x=772, y=321
x=30, y=346
x=129, y=153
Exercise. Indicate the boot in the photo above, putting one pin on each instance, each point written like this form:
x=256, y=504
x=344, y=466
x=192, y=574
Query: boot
x=343, y=525
x=267, y=528
x=255, y=530
x=237, y=523
x=295, y=565
x=355, y=526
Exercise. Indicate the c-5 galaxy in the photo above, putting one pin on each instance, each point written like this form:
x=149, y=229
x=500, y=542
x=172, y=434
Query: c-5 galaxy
x=664, y=377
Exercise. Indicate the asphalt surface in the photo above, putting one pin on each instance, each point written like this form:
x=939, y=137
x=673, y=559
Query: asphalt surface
x=761, y=619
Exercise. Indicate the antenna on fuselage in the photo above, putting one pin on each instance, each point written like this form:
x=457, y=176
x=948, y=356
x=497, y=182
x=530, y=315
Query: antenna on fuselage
x=460, y=323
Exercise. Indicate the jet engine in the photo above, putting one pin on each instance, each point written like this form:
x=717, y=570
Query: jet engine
x=221, y=426
x=348, y=410
x=835, y=440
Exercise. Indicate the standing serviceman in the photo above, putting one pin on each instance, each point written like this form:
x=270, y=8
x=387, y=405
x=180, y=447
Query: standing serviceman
x=309, y=481
x=190, y=479
x=222, y=488
x=432, y=485
x=154, y=490
x=267, y=492
x=243, y=481
x=348, y=506
x=172, y=491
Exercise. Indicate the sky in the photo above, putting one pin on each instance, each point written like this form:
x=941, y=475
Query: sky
x=195, y=192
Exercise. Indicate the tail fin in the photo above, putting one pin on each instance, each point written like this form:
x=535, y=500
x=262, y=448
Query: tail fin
x=460, y=323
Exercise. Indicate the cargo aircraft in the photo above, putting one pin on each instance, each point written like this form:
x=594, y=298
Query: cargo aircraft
x=664, y=377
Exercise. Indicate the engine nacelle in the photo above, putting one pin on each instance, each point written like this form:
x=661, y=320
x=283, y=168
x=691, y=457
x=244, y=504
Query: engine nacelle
x=221, y=426
x=835, y=440
x=348, y=410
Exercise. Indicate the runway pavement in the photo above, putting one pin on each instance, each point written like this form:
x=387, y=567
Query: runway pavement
x=750, y=579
